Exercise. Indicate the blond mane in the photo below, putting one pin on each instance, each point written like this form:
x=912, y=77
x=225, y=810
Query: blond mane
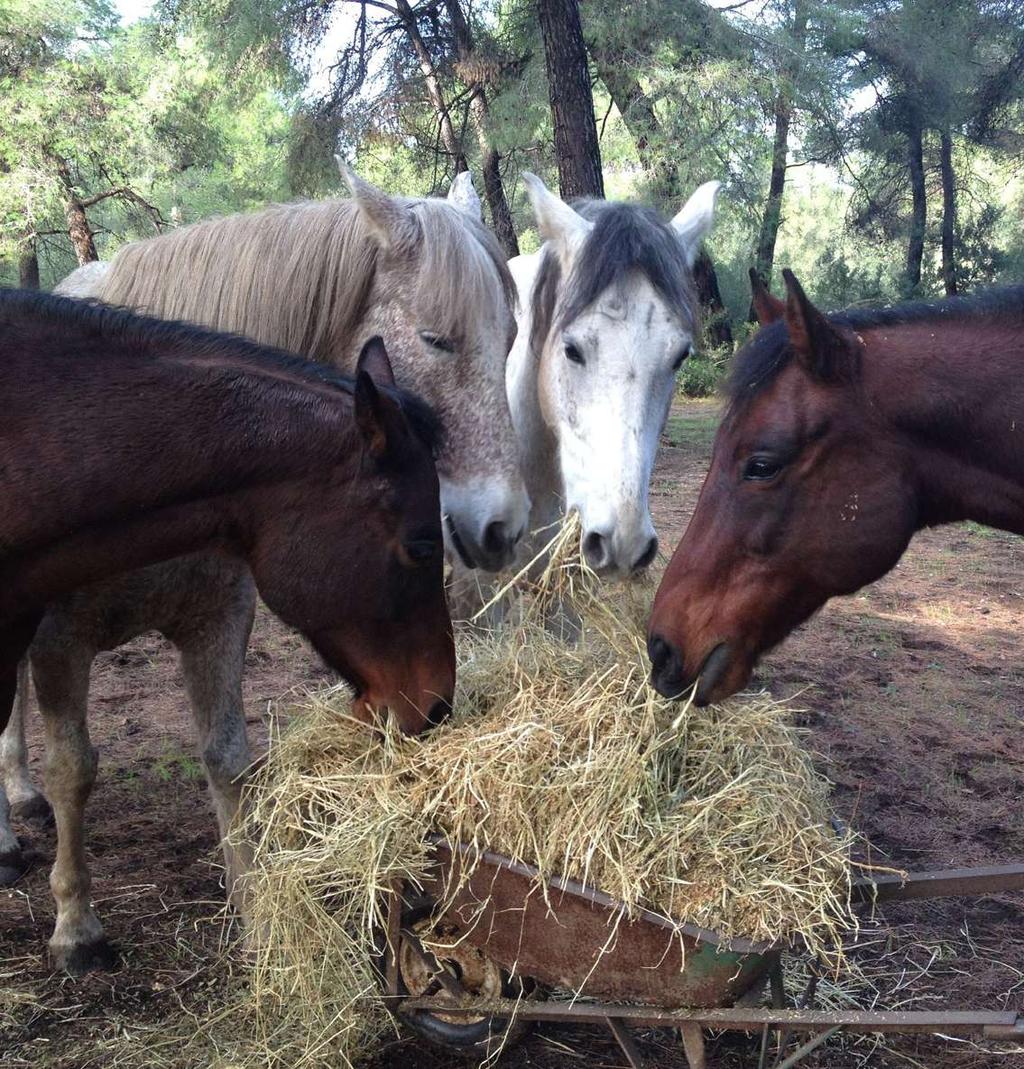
x=299, y=275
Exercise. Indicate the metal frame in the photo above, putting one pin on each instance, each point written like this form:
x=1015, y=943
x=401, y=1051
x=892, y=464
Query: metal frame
x=619, y=1018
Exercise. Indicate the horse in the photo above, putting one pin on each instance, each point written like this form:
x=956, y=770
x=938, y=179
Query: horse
x=130, y=440
x=844, y=434
x=607, y=315
x=318, y=278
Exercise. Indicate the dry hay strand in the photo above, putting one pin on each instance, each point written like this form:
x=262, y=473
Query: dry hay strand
x=559, y=755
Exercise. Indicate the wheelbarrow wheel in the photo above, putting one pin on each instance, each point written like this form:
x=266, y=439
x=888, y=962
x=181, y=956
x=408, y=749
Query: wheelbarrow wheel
x=474, y=971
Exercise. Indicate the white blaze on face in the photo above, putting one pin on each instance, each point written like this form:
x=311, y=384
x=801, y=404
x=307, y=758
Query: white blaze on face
x=606, y=384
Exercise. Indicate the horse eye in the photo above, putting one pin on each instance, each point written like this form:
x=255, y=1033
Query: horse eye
x=684, y=354
x=573, y=355
x=438, y=341
x=761, y=469
x=421, y=551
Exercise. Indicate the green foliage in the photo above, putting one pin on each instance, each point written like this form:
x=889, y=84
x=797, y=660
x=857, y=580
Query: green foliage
x=211, y=107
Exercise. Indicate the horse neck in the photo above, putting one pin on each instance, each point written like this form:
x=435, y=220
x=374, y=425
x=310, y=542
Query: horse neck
x=194, y=462
x=955, y=391
x=538, y=446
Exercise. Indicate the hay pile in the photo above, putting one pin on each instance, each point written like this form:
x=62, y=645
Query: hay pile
x=560, y=755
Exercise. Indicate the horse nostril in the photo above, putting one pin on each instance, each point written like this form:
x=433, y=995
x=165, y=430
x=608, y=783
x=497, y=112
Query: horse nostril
x=657, y=651
x=596, y=550
x=647, y=556
x=497, y=538
x=666, y=664
x=439, y=713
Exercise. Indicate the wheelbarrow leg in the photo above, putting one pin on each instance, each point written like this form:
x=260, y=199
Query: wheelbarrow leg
x=626, y=1042
x=693, y=1045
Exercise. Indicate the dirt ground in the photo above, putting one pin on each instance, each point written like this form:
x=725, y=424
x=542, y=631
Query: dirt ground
x=914, y=697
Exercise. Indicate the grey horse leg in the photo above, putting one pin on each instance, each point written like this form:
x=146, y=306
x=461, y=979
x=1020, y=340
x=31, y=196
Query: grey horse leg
x=14, y=642
x=213, y=660
x=27, y=802
x=62, y=684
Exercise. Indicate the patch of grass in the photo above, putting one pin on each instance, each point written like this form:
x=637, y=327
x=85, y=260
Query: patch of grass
x=173, y=764
x=691, y=429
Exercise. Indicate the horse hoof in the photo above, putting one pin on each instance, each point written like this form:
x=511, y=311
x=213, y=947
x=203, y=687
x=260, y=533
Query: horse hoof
x=96, y=956
x=12, y=866
x=35, y=809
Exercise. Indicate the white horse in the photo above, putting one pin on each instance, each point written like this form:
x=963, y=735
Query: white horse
x=607, y=315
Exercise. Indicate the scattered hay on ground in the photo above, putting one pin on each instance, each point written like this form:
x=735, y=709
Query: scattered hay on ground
x=560, y=755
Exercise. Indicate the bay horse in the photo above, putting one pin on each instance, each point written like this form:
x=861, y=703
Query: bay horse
x=318, y=278
x=129, y=440
x=607, y=315
x=844, y=434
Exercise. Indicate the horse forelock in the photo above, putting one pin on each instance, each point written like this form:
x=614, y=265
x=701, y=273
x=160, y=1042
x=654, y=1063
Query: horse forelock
x=624, y=239
x=461, y=268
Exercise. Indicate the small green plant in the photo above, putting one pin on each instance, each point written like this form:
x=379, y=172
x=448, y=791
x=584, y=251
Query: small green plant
x=173, y=763
x=703, y=373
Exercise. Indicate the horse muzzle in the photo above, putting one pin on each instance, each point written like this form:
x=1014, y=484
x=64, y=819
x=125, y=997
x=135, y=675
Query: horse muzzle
x=671, y=680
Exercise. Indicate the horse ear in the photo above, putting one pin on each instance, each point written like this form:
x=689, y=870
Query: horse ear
x=387, y=218
x=464, y=196
x=378, y=418
x=374, y=360
x=556, y=220
x=693, y=222
x=767, y=308
x=825, y=353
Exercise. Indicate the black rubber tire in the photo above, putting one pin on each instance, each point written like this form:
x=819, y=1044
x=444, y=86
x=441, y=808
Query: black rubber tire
x=486, y=1036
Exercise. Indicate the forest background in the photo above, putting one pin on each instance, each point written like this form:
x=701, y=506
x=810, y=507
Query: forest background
x=876, y=147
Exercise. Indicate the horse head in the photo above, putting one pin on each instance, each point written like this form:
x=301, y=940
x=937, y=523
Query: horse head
x=614, y=317
x=443, y=301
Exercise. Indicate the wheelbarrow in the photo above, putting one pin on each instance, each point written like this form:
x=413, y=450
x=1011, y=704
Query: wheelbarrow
x=478, y=976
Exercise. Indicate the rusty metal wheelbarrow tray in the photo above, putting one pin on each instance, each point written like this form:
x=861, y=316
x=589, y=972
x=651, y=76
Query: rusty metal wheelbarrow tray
x=580, y=940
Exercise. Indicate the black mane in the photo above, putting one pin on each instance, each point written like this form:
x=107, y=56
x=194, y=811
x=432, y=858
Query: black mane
x=31, y=308
x=625, y=237
x=757, y=365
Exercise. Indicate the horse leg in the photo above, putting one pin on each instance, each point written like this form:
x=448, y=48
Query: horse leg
x=27, y=803
x=213, y=660
x=62, y=685
x=14, y=641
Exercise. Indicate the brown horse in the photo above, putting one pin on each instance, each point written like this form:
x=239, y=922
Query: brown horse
x=128, y=441
x=844, y=434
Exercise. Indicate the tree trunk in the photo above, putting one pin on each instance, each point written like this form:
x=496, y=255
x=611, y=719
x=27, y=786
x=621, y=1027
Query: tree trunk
x=919, y=211
x=948, y=214
x=28, y=266
x=490, y=161
x=572, y=102
x=716, y=316
x=772, y=218
x=450, y=140
x=77, y=221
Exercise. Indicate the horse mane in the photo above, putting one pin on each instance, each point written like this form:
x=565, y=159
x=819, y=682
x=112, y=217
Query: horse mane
x=32, y=311
x=299, y=275
x=624, y=238
x=759, y=363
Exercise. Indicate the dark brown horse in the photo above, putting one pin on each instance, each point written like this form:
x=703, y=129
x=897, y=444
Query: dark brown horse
x=127, y=441
x=844, y=434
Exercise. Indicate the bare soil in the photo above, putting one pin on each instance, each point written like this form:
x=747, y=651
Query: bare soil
x=914, y=694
